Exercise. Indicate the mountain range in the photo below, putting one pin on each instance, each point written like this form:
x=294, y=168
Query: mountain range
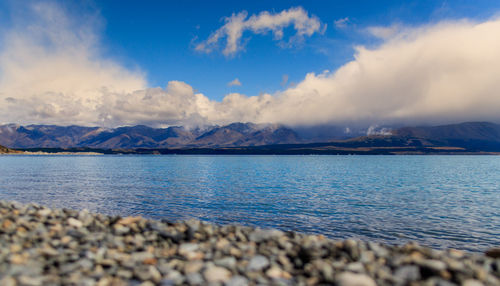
x=260, y=138
x=236, y=134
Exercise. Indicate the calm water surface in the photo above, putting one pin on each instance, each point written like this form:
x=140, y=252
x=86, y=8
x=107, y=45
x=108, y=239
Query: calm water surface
x=439, y=201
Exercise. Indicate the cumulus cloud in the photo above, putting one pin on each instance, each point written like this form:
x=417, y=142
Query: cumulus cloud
x=51, y=70
x=262, y=23
x=446, y=72
x=234, y=82
x=438, y=73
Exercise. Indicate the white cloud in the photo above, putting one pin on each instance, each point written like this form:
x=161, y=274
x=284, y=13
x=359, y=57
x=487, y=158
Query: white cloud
x=439, y=73
x=262, y=23
x=445, y=72
x=341, y=23
x=234, y=82
x=51, y=71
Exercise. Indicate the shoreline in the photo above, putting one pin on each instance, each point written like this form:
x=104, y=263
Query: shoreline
x=66, y=247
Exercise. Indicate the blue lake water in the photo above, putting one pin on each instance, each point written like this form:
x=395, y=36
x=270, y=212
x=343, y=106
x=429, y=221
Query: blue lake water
x=438, y=201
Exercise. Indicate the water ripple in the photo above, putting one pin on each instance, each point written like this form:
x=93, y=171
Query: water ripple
x=439, y=201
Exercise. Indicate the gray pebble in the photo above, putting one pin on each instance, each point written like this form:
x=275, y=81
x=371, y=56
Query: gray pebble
x=237, y=281
x=258, y=263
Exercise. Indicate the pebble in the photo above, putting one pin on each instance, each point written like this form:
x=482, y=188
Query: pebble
x=74, y=222
x=408, y=273
x=40, y=246
x=472, y=282
x=237, y=281
x=216, y=274
x=493, y=253
x=195, y=279
x=258, y=263
x=193, y=266
x=227, y=262
x=351, y=279
x=435, y=265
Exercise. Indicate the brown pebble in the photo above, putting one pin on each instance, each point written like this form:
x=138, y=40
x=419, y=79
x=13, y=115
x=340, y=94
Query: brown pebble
x=150, y=261
x=493, y=252
x=18, y=259
x=6, y=223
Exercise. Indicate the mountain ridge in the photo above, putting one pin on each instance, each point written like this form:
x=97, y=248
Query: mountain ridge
x=141, y=136
x=466, y=137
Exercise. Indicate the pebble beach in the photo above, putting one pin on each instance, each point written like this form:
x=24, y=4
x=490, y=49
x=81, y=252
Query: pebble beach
x=43, y=246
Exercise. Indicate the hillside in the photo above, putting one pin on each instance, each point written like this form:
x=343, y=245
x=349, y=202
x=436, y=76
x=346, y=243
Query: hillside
x=232, y=135
x=5, y=150
x=475, y=136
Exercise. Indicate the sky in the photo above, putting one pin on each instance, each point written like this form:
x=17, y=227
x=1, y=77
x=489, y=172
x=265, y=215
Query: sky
x=163, y=63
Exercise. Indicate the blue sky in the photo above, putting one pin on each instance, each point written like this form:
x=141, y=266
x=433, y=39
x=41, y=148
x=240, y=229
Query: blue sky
x=157, y=36
x=158, y=39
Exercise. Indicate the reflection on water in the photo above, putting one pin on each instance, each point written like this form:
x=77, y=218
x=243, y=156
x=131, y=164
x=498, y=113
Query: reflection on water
x=440, y=201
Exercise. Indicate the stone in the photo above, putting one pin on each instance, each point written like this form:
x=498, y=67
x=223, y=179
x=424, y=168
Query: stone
x=352, y=279
x=237, y=280
x=40, y=246
x=355, y=267
x=379, y=250
x=29, y=281
x=493, y=253
x=125, y=274
x=227, y=262
x=174, y=276
x=195, y=279
x=188, y=247
x=129, y=220
x=121, y=230
x=277, y=273
x=193, y=266
x=141, y=256
x=432, y=264
x=258, y=263
x=217, y=274
x=190, y=251
x=18, y=259
x=74, y=222
x=472, y=282
x=407, y=273
x=7, y=281
x=147, y=272
x=259, y=235
x=44, y=212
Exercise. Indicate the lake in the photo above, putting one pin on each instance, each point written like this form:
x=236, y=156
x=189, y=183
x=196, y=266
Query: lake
x=438, y=201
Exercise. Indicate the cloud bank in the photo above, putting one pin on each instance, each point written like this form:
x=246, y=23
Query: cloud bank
x=262, y=23
x=445, y=72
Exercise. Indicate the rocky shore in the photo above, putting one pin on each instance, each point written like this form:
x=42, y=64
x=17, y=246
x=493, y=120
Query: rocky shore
x=42, y=246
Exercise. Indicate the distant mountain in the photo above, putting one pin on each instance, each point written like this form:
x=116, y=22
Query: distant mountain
x=471, y=135
x=246, y=134
x=249, y=138
x=328, y=132
x=236, y=134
